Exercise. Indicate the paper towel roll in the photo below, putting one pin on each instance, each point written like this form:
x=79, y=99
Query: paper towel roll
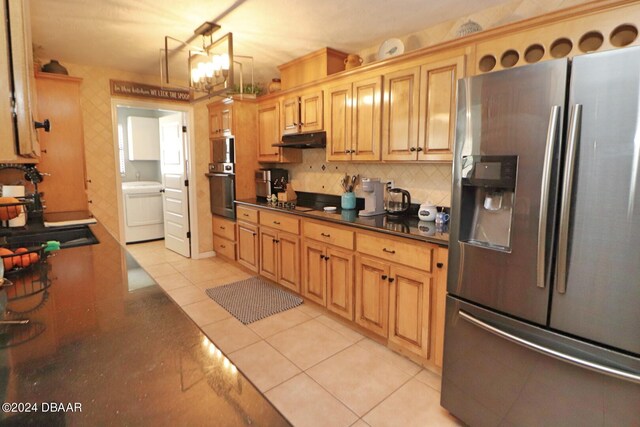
x=16, y=191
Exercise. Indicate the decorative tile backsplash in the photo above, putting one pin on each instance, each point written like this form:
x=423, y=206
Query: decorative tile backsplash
x=425, y=182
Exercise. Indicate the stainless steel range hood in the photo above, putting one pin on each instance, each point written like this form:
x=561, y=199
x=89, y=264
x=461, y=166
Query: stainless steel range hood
x=304, y=140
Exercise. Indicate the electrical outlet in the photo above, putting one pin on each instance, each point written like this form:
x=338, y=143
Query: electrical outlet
x=390, y=184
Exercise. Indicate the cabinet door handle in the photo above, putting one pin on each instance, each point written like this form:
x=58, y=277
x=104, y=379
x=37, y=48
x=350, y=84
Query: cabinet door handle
x=276, y=222
x=274, y=240
x=223, y=246
x=326, y=258
x=419, y=149
x=325, y=235
x=301, y=124
x=46, y=125
x=295, y=124
x=388, y=251
x=439, y=265
x=253, y=234
x=245, y=214
x=391, y=279
x=322, y=257
x=384, y=277
x=412, y=149
x=222, y=228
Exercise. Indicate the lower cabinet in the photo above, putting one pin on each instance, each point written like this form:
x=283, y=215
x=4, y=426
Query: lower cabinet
x=410, y=294
x=248, y=245
x=328, y=277
x=280, y=257
x=224, y=237
x=394, y=301
x=372, y=294
x=393, y=287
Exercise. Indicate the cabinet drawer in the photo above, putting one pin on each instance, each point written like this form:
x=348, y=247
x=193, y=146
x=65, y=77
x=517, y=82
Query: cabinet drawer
x=247, y=214
x=224, y=247
x=412, y=254
x=282, y=222
x=331, y=235
x=224, y=228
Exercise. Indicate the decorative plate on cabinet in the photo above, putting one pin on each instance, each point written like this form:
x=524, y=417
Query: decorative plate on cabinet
x=389, y=48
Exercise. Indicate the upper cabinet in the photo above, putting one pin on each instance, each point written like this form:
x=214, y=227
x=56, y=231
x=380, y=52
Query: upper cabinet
x=302, y=114
x=438, y=108
x=352, y=120
x=269, y=134
x=419, y=111
x=220, y=123
x=18, y=137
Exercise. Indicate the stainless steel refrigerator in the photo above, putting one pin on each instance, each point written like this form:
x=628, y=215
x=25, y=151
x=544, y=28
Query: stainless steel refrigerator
x=543, y=305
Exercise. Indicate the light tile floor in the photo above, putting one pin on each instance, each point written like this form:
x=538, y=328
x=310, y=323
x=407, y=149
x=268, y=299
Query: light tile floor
x=314, y=369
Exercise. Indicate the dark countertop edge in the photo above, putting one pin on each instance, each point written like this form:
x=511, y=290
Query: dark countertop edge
x=416, y=237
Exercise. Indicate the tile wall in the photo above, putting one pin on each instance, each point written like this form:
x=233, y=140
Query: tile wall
x=425, y=182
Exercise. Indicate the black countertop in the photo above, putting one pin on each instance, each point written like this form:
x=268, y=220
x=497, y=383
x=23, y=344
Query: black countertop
x=409, y=227
x=104, y=338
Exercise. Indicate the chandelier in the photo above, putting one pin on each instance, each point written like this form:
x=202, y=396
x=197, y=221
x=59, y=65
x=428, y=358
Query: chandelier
x=211, y=67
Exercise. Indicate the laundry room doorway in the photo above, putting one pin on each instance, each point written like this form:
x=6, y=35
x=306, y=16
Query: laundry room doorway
x=153, y=151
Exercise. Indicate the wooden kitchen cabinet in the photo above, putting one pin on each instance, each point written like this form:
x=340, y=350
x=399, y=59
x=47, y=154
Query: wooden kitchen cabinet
x=410, y=302
x=238, y=118
x=328, y=267
x=248, y=245
x=328, y=277
x=269, y=134
x=420, y=110
x=220, y=120
x=352, y=120
x=62, y=153
x=372, y=294
x=280, y=257
x=436, y=132
x=395, y=291
x=401, y=113
x=224, y=237
x=302, y=113
x=18, y=137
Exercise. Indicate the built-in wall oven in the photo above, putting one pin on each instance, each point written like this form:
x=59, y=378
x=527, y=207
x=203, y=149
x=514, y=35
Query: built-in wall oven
x=222, y=178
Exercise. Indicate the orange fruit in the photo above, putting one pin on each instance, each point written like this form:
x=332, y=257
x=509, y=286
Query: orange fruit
x=9, y=212
x=8, y=261
x=34, y=257
x=22, y=260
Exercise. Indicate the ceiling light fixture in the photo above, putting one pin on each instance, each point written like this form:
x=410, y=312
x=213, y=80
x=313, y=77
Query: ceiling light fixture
x=210, y=67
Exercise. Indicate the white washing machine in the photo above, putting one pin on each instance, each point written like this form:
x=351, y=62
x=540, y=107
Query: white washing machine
x=143, y=214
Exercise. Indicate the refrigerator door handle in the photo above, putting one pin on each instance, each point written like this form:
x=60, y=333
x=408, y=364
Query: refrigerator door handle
x=552, y=134
x=565, y=206
x=597, y=367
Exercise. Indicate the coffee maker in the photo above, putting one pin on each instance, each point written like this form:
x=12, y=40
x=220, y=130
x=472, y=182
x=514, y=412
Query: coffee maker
x=373, y=197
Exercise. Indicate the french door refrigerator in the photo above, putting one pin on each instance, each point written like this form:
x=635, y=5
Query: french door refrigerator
x=543, y=306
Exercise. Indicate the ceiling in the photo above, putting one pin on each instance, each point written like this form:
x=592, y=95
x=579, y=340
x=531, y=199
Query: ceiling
x=129, y=34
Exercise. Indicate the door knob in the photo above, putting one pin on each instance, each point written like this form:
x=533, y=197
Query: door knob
x=391, y=279
x=384, y=277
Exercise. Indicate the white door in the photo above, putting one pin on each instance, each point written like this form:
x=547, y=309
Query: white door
x=175, y=200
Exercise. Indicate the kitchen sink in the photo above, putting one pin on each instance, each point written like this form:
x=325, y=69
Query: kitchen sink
x=68, y=237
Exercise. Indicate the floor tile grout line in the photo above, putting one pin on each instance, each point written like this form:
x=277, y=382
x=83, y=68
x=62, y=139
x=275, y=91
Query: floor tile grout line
x=300, y=371
x=386, y=397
